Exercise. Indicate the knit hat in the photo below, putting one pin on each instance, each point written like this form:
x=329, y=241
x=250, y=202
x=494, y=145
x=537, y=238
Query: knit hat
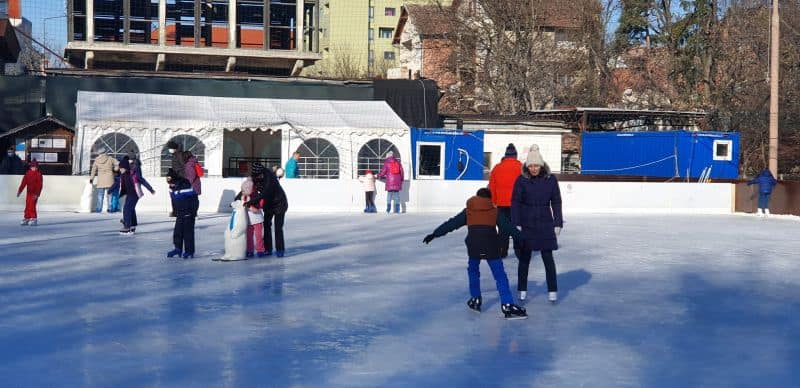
x=256, y=168
x=125, y=163
x=173, y=145
x=33, y=164
x=534, y=157
x=367, y=171
x=247, y=186
x=389, y=154
x=511, y=151
x=483, y=192
x=101, y=150
x=279, y=172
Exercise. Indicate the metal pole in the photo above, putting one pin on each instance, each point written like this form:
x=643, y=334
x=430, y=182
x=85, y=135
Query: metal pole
x=773, y=89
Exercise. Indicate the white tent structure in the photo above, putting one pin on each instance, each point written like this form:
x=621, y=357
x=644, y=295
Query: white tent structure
x=148, y=121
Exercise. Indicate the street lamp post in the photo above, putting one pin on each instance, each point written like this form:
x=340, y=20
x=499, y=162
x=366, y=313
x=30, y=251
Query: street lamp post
x=44, y=34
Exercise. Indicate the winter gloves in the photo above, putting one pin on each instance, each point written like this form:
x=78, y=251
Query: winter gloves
x=428, y=238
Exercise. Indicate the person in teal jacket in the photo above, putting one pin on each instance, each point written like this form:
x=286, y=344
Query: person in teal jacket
x=291, y=166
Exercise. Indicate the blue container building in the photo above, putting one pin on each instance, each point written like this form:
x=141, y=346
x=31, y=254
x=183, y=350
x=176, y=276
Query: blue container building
x=678, y=154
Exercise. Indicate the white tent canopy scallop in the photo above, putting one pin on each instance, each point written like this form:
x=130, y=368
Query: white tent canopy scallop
x=150, y=120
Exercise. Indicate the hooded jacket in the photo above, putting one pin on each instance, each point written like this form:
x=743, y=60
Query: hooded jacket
x=394, y=182
x=482, y=220
x=536, y=207
x=191, y=174
x=33, y=181
x=502, y=179
x=103, y=168
x=765, y=182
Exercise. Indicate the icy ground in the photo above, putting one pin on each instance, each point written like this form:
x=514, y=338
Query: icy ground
x=653, y=301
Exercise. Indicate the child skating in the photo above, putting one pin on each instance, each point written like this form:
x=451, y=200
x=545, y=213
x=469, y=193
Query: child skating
x=368, y=181
x=186, y=204
x=33, y=181
x=253, y=203
x=482, y=220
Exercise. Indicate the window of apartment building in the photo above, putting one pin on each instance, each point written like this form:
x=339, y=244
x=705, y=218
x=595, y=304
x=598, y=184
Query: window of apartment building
x=388, y=55
x=371, y=13
x=386, y=33
x=388, y=11
x=3, y=8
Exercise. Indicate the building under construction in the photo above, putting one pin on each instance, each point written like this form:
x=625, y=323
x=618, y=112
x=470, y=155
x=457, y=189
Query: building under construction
x=248, y=36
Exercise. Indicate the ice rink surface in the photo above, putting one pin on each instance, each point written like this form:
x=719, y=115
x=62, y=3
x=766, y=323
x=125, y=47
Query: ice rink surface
x=645, y=301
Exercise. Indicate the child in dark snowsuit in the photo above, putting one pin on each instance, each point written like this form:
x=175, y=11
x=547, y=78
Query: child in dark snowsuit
x=186, y=204
x=482, y=220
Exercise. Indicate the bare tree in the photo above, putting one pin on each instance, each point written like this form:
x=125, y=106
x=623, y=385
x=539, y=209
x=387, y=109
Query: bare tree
x=513, y=57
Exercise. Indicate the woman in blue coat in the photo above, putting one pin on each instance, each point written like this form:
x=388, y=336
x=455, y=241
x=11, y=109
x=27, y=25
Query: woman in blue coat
x=765, y=182
x=536, y=207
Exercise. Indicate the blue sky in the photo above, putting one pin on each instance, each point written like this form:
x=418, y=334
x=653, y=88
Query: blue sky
x=47, y=12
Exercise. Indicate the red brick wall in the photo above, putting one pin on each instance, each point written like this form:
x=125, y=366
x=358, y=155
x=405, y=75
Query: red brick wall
x=436, y=62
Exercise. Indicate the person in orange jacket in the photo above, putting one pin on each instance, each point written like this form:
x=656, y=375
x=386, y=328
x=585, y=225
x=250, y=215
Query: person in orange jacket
x=501, y=184
x=33, y=181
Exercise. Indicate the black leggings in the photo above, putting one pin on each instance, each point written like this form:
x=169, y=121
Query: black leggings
x=549, y=269
x=369, y=196
x=279, y=219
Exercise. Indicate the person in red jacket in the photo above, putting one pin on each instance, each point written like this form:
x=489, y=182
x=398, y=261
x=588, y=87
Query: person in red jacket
x=501, y=184
x=33, y=181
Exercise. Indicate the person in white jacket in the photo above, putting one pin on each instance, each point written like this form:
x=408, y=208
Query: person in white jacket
x=368, y=181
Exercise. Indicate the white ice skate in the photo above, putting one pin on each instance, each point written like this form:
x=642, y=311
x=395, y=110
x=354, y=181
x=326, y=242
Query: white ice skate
x=552, y=296
x=33, y=222
x=523, y=295
x=24, y=222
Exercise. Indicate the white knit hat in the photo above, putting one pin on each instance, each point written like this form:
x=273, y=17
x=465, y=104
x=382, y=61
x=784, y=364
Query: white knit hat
x=534, y=157
x=389, y=154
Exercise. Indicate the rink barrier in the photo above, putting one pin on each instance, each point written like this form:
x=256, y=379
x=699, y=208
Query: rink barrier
x=62, y=193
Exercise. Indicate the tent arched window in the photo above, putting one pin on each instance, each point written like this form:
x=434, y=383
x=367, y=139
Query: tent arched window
x=116, y=145
x=373, y=153
x=187, y=143
x=319, y=159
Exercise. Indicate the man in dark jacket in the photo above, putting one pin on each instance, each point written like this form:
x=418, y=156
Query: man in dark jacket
x=765, y=182
x=275, y=205
x=186, y=204
x=11, y=164
x=482, y=220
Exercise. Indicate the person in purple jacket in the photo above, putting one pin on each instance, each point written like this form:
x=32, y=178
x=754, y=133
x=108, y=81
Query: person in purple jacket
x=392, y=171
x=536, y=207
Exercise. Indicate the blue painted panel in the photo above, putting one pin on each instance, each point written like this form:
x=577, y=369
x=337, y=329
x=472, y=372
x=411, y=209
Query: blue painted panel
x=463, y=156
x=661, y=154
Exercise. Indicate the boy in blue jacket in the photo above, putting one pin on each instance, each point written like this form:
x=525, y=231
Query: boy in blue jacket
x=185, y=203
x=482, y=220
x=765, y=182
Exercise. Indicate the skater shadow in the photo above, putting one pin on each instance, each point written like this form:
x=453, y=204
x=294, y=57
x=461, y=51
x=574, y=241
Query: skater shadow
x=572, y=280
x=310, y=248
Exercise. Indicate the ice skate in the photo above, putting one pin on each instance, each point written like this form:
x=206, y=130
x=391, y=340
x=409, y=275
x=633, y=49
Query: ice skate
x=475, y=304
x=766, y=213
x=24, y=222
x=33, y=222
x=512, y=311
x=523, y=295
x=127, y=232
x=187, y=255
x=552, y=296
x=174, y=252
x=279, y=253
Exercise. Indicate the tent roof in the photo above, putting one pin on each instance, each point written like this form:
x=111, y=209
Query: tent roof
x=175, y=112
